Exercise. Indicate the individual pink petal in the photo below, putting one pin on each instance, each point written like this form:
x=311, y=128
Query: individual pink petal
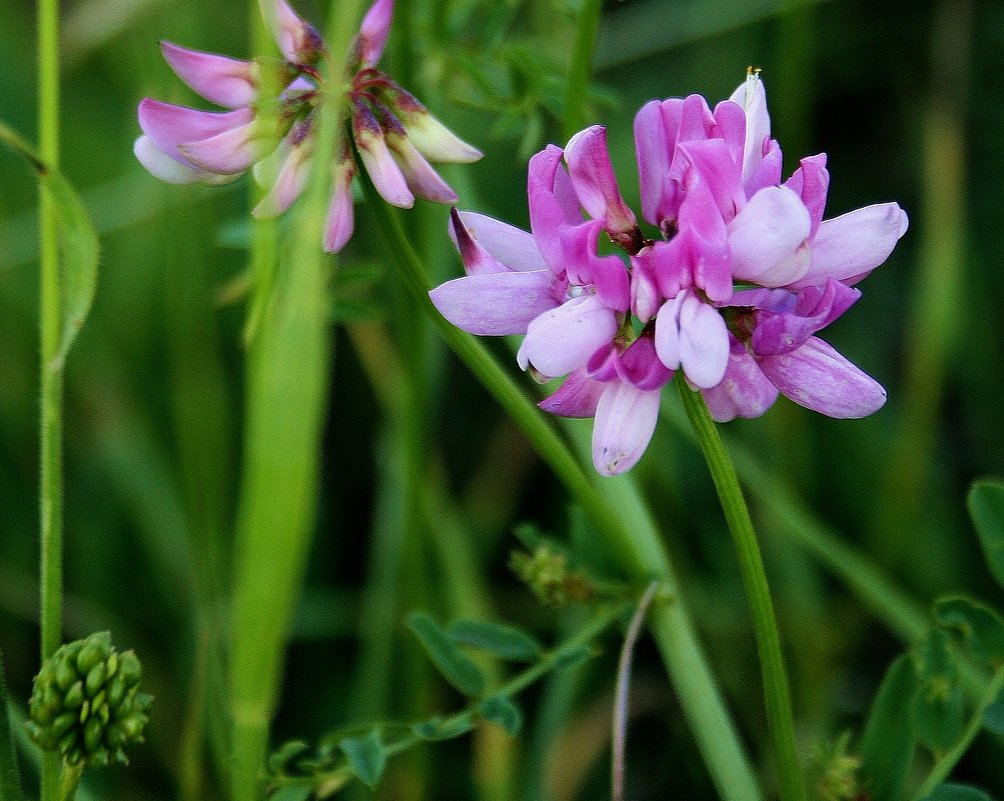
x=422, y=180
x=512, y=246
x=227, y=153
x=477, y=260
x=380, y=165
x=593, y=177
x=577, y=397
x=654, y=158
x=639, y=364
x=849, y=247
x=607, y=274
x=709, y=163
x=562, y=340
x=811, y=181
x=225, y=81
x=496, y=304
x=169, y=170
x=750, y=95
x=703, y=246
x=769, y=171
x=769, y=237
x=373, y=31
x=730, y=125
x=817, y=377
x=625, y=420
x=168, y=125
x=645, y=295
x=744, y=391
x=815, y=308
x=289, y=182
x=341, y=214
x=691, y=334
x=549, y=209
x=433, y=139
x=299, y=42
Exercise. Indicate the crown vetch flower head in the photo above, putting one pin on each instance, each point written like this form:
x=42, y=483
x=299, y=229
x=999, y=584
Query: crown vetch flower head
x=394, y=134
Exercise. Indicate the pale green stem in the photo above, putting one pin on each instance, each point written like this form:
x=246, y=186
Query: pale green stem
x=70, y=781
x=581, y=67
x=775, y=680
x=943, y=767
x=51, y=376
x=629, y=531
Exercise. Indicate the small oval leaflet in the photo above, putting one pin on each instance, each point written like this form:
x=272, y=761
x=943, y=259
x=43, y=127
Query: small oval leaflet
x=506, y=642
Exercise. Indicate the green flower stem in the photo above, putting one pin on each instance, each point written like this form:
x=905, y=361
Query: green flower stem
x=943, y=767
x=69, y=781
x=581, y=68
x=775, y=679
x=51, y=375
x=288, y=364
x=628, y=530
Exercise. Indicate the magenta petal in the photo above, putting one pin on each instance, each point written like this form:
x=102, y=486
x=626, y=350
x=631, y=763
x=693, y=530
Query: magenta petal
x=373, y=31
x=817, y=377
x=815, y=308
x=709, y=163
x=744, y=391
x=654, y=158
x=577, y=397
x=625, y=420
x=299, y=42
x=229, y=152
x=477, y=260
x=811, y=181
x=768, y=238
x=562, y=340
x=495, y=304
x=288, y=184
x=512, y=246
x=371, y=143
x=849, y=247
x=549, y=208
x=691, y=334
x=606, y=273
x=341, y=214
x=593, y=177
x=225, y=81
x=168, y=125
x=640, y=366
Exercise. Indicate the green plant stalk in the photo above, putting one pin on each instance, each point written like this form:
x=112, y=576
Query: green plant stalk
x=775, y=680
x=70, y=781
x=10, y=777
x=943, y=766
x=636, y=542
x=581, y=67
x=51, y=376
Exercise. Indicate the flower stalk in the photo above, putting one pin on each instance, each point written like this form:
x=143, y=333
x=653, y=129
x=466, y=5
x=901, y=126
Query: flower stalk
x=775, y=680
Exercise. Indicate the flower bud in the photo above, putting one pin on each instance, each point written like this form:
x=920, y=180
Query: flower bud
x=86, y=703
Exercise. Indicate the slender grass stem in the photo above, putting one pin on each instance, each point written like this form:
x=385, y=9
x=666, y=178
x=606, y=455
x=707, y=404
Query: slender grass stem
x=775, y=679
x=51, y=375
x=629, y=530
x=581, y=68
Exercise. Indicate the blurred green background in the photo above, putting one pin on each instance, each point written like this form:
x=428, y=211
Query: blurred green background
x=907, y=100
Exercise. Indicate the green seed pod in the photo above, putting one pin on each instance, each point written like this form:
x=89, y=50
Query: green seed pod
x=86, y=703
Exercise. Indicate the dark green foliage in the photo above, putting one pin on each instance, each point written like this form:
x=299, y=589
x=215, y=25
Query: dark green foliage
x=976, y=627
x=501, y=710
x=939, y=706
x=986, y=507
x=890, y=734
x=456, y=667
x=505, y=642
x=366, y=756
x=958, y=792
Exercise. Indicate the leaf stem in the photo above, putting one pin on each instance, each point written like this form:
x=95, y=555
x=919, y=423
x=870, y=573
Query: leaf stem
x=581, y=67
x=50, y=375
x=775, y=679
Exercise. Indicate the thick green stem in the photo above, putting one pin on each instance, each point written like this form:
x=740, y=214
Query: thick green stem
x=627, y=527
x=581, y=68
x=50, y=376
x=768, y=641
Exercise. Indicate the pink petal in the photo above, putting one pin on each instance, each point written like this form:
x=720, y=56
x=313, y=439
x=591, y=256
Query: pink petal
x=577, y=397
x=380, y=165
x=744, y=391
x=607, y=274
x=691, y=334
x=817, y=377
x=811, y=181
x=710, y=163
x=815, y=308
x=849, y=247
x=341, y=214
x=593, y=178
x=639, y=364
x=289, y=183
x=750, y=95
x=496, y=304
x=477, y=260
x=229, y=152
x=768, y=238
x=625, y=420
x=421, y=179
x=550, y=208
x=562, y=340
x=433, y=139
x=167, y=169
x=225, y=81
x=654, y=158
x=168, y=125
x=299, y=42
x=513, y=247
x=373, y=31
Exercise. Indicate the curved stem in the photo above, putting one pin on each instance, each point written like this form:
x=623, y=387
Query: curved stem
x=51, y=375
x=775, y=679
x=617, y=512
x=581, y=67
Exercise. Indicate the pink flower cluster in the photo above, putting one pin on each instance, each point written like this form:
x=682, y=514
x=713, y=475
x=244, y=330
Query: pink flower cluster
x=741, y=275
x=394, y=135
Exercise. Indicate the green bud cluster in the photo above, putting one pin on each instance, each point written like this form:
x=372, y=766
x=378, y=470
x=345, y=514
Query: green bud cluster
x=86, y=703
x=547, y=573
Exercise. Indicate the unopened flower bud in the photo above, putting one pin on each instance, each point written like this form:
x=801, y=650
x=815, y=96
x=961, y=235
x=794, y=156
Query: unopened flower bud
x=86, y=703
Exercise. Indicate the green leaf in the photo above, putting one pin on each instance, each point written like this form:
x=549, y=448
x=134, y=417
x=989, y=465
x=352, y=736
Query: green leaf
x=958, y=792
x=279, y=761
x=993, y=715
x=890, y=738
x=292, y=792
x=573, y=657
x=10, y=779
x=367, y=756
x=506, y=642
x=975, y=627
x=436, y=729
x=78, y=244
x=499, y=709
x=939, y=706
x=986, y=508
x=456, y=667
